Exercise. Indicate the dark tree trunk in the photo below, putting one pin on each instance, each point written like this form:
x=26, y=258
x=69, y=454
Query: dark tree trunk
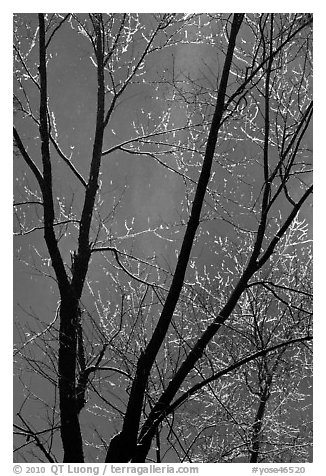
x=71, y=401
x=128, y=437
x=72, y=396
x=69, y=309
x=257, y=426
x=70, y=428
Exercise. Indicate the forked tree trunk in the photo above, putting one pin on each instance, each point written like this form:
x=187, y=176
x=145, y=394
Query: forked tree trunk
x=123, y=447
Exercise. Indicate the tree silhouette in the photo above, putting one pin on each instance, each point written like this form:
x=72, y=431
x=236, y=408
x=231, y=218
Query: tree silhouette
x=234, y=133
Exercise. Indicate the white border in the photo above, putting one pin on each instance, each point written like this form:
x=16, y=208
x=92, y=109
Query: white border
x=319, y=200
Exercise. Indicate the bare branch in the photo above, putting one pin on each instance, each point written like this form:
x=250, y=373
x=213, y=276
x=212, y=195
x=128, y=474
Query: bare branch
x=28, y=160
x=56, y=29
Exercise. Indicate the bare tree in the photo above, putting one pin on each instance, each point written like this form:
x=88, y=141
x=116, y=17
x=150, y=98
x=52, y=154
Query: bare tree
x=260, y=93
x=255, y=409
